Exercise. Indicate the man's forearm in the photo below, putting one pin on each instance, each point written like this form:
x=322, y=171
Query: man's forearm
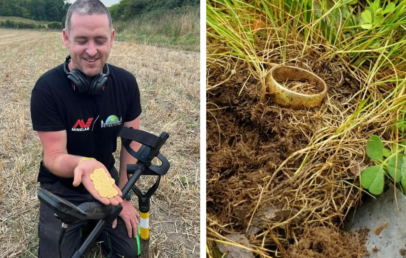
x=62, y=164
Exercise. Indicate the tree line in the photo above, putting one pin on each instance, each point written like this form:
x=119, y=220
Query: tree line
x=55, y=10
x=41, y=10
x=127, y=9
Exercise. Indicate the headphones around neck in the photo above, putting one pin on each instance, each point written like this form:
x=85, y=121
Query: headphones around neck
x=81, y=84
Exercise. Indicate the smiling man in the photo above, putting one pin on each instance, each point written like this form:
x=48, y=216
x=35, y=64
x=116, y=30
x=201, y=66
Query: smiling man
x=77, y=109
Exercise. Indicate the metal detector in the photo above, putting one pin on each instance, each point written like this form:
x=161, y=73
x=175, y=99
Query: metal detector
x=69, y=213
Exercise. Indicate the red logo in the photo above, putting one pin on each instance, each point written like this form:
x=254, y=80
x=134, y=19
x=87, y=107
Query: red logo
x=83, y=127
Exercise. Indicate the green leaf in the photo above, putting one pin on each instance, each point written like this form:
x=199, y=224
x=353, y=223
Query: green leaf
x=375, y=148
x=368, y=176
x=377, y=186
x=366, y=17
x=372, y=178
x=393, y=167
x=386, y=152
x=376, y=5
x=379, y=20
x=353, y=2
x=389, y=8
x=366, y=26
x=372, y=11
x=403, y=173
x=404, y=184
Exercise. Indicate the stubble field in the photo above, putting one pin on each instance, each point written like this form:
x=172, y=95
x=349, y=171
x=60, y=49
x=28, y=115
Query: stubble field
x=169, y=87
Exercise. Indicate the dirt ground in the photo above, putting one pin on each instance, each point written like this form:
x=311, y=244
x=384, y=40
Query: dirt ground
x=247, y=141
x=326, y=242
x=169, y=86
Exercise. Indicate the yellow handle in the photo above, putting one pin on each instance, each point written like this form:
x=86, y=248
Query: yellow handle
x=144, y=221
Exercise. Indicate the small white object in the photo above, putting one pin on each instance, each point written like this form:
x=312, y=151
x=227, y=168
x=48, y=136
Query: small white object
x=144, y=223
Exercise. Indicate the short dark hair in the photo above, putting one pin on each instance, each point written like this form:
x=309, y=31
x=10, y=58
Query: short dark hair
x=86, y=7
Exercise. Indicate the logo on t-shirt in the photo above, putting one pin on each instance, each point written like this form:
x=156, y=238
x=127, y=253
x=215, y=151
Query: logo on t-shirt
x=80, y=125
x=111, y=121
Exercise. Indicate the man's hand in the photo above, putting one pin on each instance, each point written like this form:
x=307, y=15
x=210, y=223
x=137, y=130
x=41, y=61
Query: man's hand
x=131, y=218
x=82, y=175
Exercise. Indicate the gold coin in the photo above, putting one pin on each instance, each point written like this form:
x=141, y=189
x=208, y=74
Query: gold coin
x=99, y=171
x=93, y=177
x=112, y=193
x=104, y=180
x=103, y=183
x=103, y=193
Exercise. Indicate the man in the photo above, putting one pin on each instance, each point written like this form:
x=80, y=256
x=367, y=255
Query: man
x=77, y=109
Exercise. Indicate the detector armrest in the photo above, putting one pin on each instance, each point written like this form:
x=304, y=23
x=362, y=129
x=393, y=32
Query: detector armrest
x=151, y=144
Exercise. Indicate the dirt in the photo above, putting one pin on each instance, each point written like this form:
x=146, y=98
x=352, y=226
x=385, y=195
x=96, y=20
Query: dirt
x=379, y=229
x=326, y=242
x=247, y=141
x=232, y=251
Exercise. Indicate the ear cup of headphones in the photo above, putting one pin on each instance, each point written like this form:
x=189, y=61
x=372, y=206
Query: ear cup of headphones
x=97, y=85
x=81, y=84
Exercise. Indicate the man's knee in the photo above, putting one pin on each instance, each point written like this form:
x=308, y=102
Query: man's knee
x=130, y=252
x=127, y=249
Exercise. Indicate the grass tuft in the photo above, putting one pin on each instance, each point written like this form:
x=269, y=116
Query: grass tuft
x=179, y=29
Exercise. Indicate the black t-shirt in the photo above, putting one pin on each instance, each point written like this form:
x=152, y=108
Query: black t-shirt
x=92, y=123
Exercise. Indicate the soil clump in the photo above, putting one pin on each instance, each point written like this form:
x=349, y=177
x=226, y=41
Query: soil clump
x=265, y=158
x=327, y=242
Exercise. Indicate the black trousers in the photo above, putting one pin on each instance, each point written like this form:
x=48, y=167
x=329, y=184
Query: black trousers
x=115, y=242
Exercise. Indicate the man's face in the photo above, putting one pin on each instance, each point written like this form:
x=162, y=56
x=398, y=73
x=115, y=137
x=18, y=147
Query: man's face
x=90, y=40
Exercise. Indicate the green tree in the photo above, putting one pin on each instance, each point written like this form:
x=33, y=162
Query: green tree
x=6, y=9
x=7, y=12
x=16, y=9
x=25, y=13
x=54, y=10
x=64, y=11
x=38, y=9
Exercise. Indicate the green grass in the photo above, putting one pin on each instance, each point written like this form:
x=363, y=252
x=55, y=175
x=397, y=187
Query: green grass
x=186, y=42
x=180, y=29
x=13, y=18
x=338, y=27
